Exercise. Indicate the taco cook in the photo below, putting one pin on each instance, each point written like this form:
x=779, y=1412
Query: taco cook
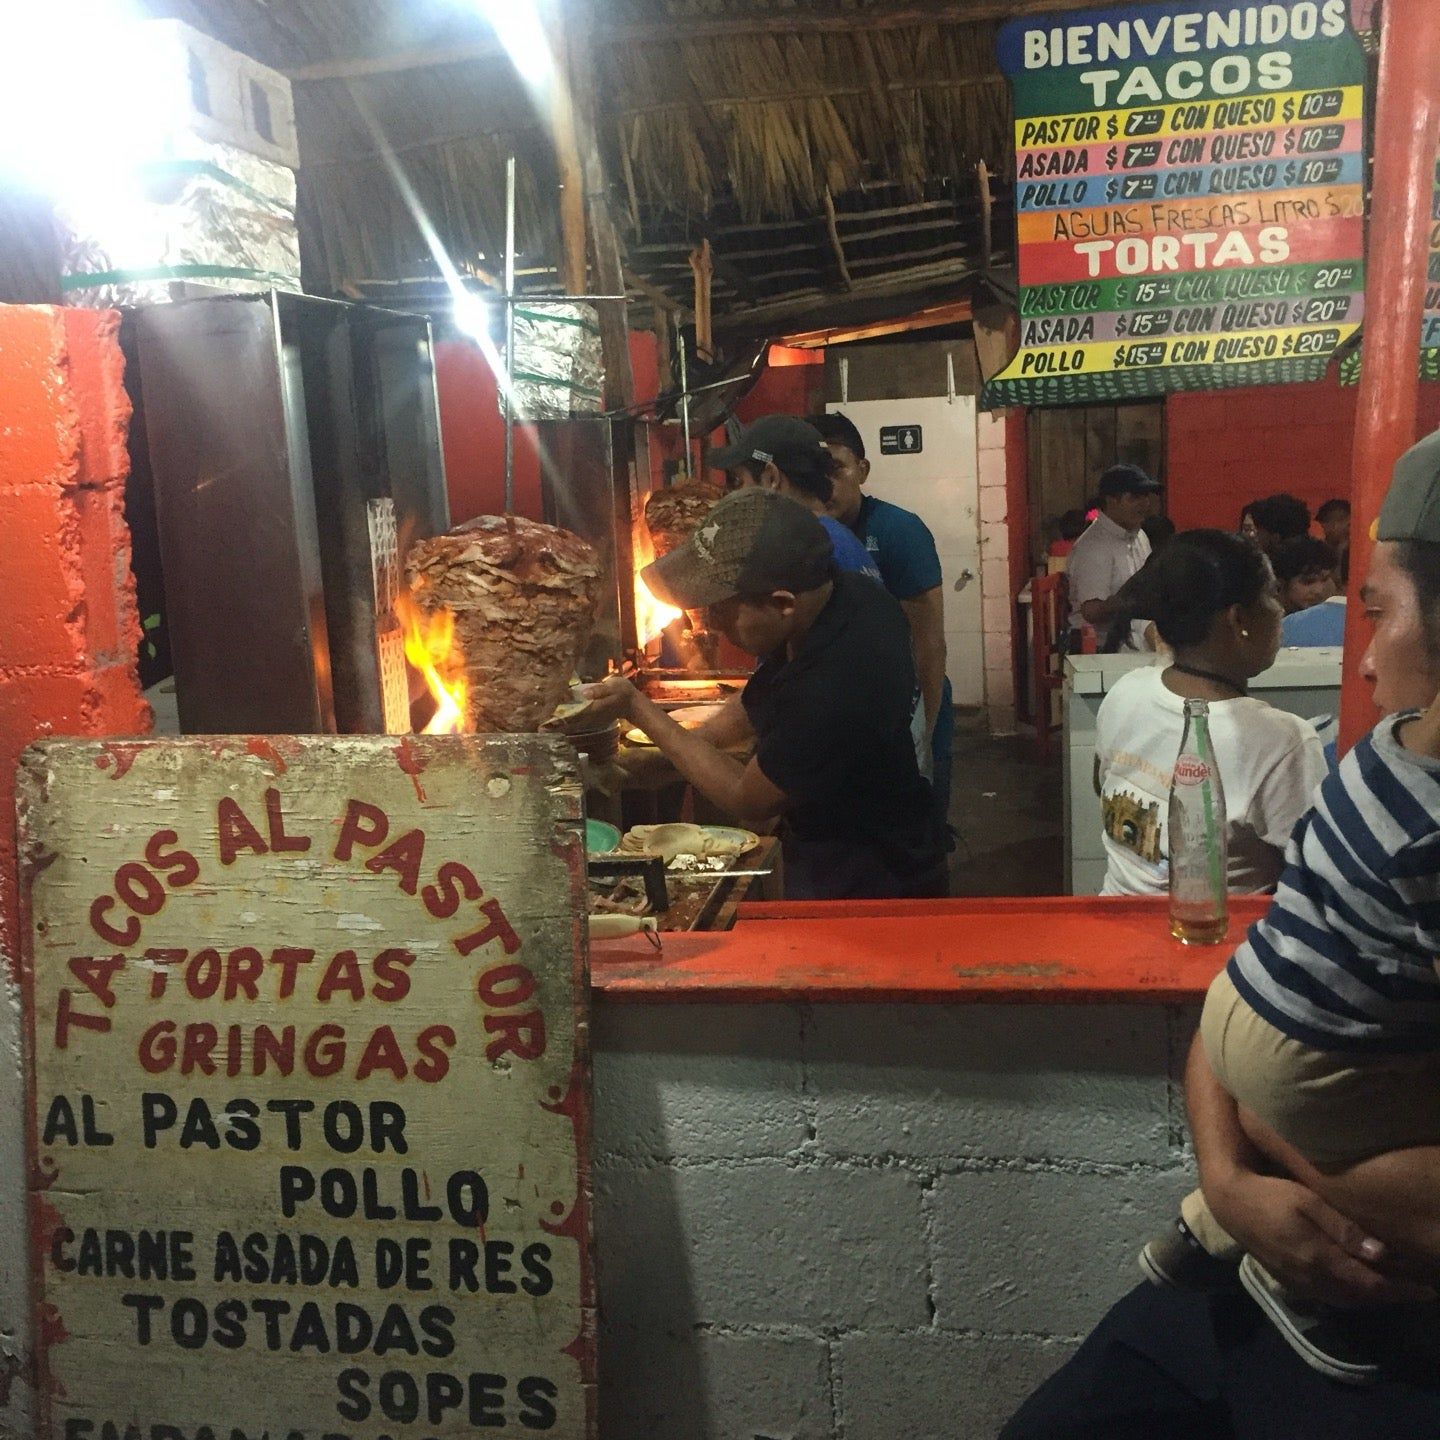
x=828, y=707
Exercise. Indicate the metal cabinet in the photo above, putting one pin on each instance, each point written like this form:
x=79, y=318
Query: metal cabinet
x=285, y=450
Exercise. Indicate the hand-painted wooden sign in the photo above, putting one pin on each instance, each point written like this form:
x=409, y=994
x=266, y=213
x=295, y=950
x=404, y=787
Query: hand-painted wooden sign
x=1189, y=193
x=1430, y=321
x=310, y=1088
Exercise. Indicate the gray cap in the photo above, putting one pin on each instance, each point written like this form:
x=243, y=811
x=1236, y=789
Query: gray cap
x=1412, y=505
x=793, y=444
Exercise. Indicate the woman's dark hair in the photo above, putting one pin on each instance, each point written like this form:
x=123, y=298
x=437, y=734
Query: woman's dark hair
x=1280, y=515
x=1420, y=560
x=1333, y=507
x=1303, y=555
x=1197, y=575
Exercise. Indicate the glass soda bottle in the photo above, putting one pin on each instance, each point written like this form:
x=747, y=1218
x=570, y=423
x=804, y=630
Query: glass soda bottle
x=1199, y=912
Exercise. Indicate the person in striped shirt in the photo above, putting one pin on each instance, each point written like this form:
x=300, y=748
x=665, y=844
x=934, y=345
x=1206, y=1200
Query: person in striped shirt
x=1325, y=1025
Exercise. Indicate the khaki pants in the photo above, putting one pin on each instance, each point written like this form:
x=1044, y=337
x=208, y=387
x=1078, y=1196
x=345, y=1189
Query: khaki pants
x=1335, y=1107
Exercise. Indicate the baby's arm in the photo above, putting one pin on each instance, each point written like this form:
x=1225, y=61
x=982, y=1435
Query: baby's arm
x=1284, y=1224
x=1395, y=1196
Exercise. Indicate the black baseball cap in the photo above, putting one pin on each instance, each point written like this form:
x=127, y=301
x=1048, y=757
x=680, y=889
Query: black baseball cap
x=752, y=543
x=793, y=444
x=1128, y=480
x=1412, y=505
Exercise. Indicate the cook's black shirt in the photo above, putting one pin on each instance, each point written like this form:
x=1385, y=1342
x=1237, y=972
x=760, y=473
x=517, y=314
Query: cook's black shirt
x=833, y=730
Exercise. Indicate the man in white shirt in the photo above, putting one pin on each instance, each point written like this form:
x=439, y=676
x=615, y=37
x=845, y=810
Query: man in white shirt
x=1112, y=550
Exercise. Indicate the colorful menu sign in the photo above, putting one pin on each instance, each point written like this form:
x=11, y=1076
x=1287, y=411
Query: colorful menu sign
x=309, y=1088
x=1189, y=197
x=1430, y=321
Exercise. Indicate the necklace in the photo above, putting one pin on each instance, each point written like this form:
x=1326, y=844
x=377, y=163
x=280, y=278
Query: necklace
x=1210, y=675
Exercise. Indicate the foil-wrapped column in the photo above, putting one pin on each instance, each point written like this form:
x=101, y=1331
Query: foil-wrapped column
x=558, y=368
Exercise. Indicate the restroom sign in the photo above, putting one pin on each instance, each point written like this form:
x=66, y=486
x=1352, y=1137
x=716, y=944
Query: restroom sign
x=901, y=440
x=310, y=1088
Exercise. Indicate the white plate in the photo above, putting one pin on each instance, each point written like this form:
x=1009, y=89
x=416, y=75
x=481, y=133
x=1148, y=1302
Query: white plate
x=686, y=716
x=692, y=715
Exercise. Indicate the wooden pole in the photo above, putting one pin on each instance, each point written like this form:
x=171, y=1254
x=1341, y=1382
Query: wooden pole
x=579, y=19
x=1407, y=135
x=833, y=230
x=568, y=161
x=702, y=269
x=982, y=179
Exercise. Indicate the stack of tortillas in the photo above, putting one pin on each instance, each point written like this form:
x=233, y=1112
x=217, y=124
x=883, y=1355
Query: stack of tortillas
x=678, y=838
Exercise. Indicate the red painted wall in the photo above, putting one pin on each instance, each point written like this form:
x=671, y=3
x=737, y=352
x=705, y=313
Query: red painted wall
x=68, y=629
x=472, y=435
x=472, y=431
x=1224, y=448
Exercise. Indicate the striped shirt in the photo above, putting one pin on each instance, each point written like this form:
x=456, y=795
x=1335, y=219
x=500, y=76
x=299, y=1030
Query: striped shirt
x=1345, y=958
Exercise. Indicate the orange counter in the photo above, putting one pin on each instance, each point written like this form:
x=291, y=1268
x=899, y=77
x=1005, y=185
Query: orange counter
x=1059, y=949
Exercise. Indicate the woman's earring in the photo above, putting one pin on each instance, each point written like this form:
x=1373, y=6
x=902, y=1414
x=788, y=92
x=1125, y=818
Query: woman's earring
x=1244, y=634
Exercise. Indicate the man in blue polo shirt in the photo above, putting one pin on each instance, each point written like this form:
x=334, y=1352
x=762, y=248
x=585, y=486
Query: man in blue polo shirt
x=904, y=549
x=787, y=455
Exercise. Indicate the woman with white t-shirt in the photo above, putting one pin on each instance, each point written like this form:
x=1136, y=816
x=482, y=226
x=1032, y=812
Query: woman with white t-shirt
x=1215, y=603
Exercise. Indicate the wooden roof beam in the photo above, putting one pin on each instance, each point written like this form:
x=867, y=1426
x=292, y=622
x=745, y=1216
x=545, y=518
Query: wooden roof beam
x=958, y=313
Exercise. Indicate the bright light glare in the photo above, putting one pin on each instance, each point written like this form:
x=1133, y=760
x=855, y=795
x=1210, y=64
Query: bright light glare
x=470, y=314
x=125, y=96
x=517, y=23
x=468, y=309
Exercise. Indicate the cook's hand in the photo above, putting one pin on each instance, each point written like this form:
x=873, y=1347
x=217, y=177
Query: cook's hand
x=610, y=699
x=1308, y=1245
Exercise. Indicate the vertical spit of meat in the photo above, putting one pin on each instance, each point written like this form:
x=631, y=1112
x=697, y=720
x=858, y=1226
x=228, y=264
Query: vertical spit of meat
x=523, y=596
x=672, y=515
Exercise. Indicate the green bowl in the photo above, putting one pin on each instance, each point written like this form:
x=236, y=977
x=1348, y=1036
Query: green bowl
x=600, y=838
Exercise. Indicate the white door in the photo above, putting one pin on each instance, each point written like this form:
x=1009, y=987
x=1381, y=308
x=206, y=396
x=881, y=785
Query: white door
x=922, y=457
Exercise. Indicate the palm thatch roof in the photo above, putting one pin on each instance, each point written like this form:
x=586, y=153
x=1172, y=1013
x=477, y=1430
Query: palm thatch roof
x=829, y=150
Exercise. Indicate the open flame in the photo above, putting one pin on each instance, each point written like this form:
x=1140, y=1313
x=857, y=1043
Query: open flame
x=651, y=615
x=430, y=648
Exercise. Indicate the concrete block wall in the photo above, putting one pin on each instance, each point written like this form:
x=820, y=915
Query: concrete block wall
x=857, y=1222
x=997, y=592
x=1305, y=433
x=68, y=635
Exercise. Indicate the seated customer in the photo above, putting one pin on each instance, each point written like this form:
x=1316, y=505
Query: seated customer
x=1274, y=520
x=1323, y=1026
x=829, y=706
x=1307, y=571
x=1212, y=598
x=1334, y=519
x=1112, y=550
